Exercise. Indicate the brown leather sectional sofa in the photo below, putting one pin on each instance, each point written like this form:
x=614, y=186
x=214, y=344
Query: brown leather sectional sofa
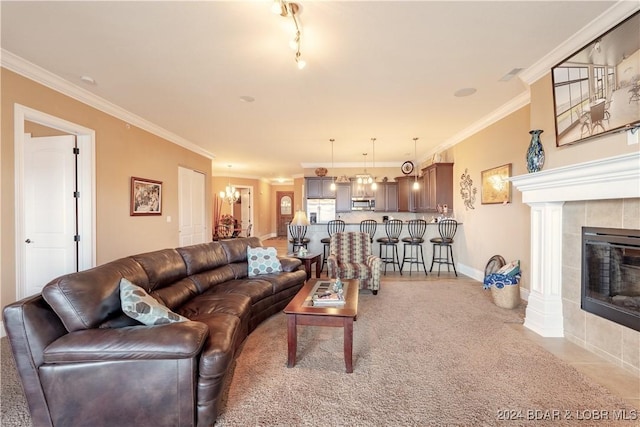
x=83, y=362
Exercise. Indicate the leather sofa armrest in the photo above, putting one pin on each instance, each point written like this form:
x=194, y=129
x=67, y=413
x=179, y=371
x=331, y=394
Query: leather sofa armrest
x=181, y=340
x=289, y=264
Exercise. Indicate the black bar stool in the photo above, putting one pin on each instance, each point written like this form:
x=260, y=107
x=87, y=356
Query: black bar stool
x=392, y=228
x=333, y=226
x=369, y=226
x=447, y=229
x=417, y=228
x=298, y=240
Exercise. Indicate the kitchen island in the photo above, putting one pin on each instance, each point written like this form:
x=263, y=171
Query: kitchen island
x=318, y=231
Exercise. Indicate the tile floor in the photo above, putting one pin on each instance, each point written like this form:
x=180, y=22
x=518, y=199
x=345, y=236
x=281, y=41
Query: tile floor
x=619, y=381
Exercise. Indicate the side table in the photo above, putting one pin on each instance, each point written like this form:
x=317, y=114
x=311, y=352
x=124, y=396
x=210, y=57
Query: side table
x=308, y=260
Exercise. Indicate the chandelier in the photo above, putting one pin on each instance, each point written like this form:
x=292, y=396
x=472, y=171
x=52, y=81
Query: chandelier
x=230, y=194
x=364, y=178
x=291, y=10
x=374, y=186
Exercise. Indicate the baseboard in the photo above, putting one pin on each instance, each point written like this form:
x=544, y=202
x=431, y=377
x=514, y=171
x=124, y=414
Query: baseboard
x=2, y=332
x=471, y=272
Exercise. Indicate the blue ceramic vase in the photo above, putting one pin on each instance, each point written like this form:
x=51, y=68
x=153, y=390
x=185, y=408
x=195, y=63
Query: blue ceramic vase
x=535, y=153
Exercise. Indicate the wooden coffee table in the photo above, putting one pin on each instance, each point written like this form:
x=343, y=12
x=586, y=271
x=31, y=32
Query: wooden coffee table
x=300, y=311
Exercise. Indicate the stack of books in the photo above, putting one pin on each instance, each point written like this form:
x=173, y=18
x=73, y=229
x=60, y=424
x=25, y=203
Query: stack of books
x=328, y=299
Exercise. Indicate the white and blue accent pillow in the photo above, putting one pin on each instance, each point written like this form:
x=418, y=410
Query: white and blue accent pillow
x=138, y=304
x=263, y=261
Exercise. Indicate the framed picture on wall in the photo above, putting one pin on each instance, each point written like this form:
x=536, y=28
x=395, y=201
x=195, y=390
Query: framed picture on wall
x=596, y=90
x=496, y=187
x=146, y=196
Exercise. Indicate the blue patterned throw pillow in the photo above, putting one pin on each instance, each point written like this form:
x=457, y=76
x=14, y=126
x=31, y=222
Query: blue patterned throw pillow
x=138, y=304
x=263, y=261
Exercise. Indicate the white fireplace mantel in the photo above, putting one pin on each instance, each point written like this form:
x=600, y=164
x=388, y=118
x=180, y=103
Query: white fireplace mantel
x=546, y=191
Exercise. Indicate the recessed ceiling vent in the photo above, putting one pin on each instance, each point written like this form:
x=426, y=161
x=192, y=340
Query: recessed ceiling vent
x=511, y=74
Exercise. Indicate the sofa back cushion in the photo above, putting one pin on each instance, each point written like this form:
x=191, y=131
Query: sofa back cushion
x=177, y=294
x=236, y=249
x=163, y=268
x=202, y=257
x=85, y=299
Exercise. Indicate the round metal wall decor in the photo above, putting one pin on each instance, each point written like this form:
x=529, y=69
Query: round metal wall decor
x=407, y=167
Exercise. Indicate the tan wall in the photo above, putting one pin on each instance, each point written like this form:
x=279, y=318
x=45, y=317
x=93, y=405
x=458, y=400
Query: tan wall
x=121, y=152
x=492, y=229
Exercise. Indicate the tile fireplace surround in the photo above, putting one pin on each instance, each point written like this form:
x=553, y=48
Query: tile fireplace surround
x=601, y=193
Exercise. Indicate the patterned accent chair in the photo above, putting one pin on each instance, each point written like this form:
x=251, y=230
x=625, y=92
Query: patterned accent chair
x=350, y=257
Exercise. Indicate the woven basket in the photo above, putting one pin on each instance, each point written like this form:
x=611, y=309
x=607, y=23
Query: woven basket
x=506, y=297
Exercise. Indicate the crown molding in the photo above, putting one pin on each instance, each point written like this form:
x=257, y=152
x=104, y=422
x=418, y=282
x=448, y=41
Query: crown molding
x=513, y=105
x=20, y=66
x=603, y=23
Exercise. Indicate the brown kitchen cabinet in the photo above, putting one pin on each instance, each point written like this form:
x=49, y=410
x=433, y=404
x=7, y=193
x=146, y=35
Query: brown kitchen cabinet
x=343, y=197
x=438, y=187
x=408, y=198
x=387, y=197
x=320, y=188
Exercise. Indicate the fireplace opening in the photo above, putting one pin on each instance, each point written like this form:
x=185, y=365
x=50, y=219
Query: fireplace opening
x=611, y=274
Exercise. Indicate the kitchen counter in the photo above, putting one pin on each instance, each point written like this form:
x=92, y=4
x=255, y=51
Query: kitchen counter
x=318, y=231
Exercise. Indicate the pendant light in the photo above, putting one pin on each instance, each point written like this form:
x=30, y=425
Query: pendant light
x=333, y=180
x=374, y=184
x=416, y=185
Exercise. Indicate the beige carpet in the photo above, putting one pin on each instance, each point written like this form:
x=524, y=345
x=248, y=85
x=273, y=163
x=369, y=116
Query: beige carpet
x=426, y=353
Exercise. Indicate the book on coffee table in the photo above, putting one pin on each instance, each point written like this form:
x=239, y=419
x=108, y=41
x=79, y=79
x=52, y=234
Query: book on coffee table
x=328, y=298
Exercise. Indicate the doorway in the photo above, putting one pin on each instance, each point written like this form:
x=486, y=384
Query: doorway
x=242, y=208
x=284, y=211
x=32, y=216
x=192, y=227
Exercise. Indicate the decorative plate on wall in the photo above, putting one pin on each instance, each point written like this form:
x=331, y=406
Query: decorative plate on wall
x=321, y=171
x=407, y=167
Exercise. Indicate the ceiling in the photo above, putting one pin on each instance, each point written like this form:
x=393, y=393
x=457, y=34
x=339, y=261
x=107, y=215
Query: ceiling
x=386, y=70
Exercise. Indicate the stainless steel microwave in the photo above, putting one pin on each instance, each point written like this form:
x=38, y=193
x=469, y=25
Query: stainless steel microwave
x=363, y=204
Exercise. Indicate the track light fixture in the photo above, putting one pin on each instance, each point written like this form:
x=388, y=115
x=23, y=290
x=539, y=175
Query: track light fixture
x=291, y=10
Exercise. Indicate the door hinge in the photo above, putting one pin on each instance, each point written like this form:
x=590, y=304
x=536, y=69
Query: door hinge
x=76, y=194
x=76, y=238
x=76, y=150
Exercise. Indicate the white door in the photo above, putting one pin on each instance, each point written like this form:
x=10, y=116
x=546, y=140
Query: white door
x=245, y=196
x=50, y=248
x=191, y=207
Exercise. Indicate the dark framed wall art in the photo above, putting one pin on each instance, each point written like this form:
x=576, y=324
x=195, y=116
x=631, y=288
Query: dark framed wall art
x=146, y=196
x=596, y=90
